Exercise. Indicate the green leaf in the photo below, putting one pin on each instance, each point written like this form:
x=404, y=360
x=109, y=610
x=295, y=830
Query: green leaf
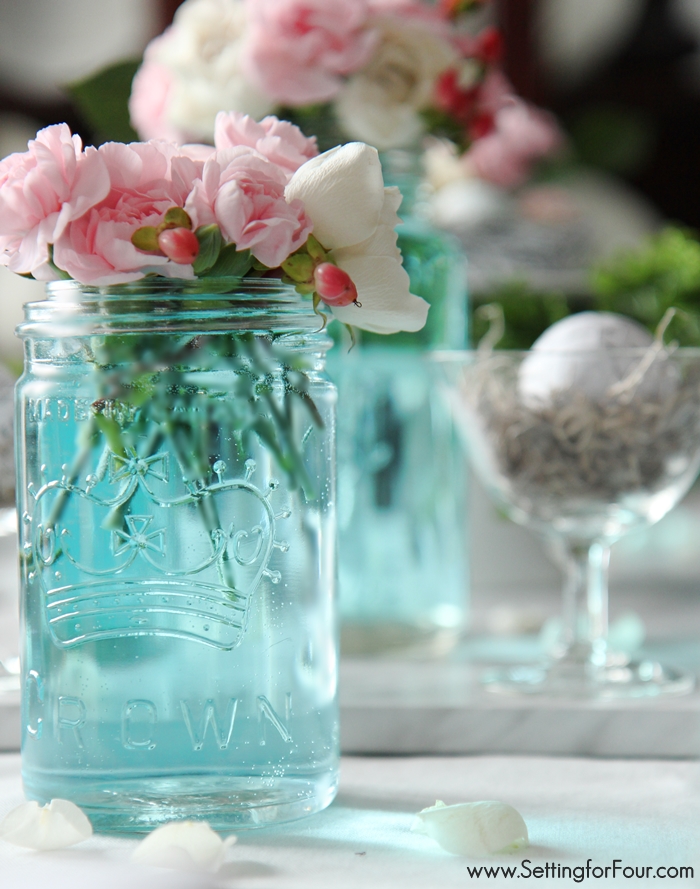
x=231, y=263
x=442, y=124
x=102, y=100
x=209, y=237
x=644, y=283
x=613, y=138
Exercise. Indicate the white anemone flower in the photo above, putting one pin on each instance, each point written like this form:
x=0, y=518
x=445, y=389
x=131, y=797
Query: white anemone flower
x=354, y=217
x=474, y=829
x=184, y=845
x=56, y=825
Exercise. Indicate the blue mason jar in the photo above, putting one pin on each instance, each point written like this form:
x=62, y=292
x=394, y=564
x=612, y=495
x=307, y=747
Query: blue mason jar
x=176, y=494
x=402, y=477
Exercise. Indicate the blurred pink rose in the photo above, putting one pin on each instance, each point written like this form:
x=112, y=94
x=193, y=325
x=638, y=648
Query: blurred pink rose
x=277, y=140
x=41, y=191
x=522, y=135
x=148, y=104
x=243, y=193
x=298, y=50
x=146, y=180
x=495, y=92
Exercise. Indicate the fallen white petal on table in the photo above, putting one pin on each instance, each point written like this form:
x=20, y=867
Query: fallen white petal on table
x=474, y=829
x=56, y=825
x=184, y=845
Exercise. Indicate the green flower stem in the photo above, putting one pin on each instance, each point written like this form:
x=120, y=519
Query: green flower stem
x=194, y=470
x=150, y=395
x=89, y=440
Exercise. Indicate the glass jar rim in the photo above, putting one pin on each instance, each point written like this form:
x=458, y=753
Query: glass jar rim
x=155, y=304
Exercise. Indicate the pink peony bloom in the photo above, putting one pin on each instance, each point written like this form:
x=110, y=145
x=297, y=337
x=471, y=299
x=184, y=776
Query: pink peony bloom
x=146, y=180
x=522, y=135
x=279, y=141
x=151, y=90
x=41, y=192
x=243, y=193
x=298, y=50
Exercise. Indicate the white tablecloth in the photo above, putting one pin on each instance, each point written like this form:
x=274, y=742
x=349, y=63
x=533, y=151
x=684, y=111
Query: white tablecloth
x=643, y=812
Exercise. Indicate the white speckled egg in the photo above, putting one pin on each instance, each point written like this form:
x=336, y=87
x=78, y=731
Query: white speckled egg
x=586, y=353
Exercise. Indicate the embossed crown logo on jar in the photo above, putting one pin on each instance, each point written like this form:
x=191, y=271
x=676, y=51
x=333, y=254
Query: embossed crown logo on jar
x=145, y=568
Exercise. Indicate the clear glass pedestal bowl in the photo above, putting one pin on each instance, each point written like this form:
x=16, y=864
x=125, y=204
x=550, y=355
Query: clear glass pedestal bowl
x=581, y=448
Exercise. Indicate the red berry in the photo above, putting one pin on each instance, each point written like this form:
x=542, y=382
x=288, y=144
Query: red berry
x=489, y=46
x=334, y=286
x=481, y=125
x=453, y=99
x=446, y=90
x=179, y=244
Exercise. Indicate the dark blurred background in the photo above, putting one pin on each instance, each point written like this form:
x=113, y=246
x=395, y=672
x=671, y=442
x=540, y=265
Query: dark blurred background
x=624, y=78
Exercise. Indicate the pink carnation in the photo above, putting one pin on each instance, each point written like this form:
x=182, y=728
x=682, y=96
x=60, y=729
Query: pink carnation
x=243, y=193
x=196, y=151
x=41, y=191
x=298, y=50
x=522, y=135
x=146, y=180
x=279, y=141
x=148, y=103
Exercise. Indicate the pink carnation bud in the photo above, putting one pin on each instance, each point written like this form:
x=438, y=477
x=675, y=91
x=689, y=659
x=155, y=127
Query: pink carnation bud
x=334, y=286
x=179, y=244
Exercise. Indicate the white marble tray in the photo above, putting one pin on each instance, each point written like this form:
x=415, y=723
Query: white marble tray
x=403, y=707
x=9, y=721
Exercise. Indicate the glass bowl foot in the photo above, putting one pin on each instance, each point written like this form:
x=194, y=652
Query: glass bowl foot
x=620, y=677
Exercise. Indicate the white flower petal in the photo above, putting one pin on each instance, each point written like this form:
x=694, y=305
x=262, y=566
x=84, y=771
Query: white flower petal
x=383, y=242
x=343, y=193
x=475, y=829
x=392, y=201
x=387, y=305
x=184, y=845
x=56, y=825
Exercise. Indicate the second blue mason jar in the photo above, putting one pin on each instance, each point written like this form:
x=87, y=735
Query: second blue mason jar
x=402, y=478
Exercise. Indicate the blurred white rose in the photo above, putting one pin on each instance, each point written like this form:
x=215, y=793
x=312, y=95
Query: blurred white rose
x=381, y=103
x=202, y=52
x=442, y=163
